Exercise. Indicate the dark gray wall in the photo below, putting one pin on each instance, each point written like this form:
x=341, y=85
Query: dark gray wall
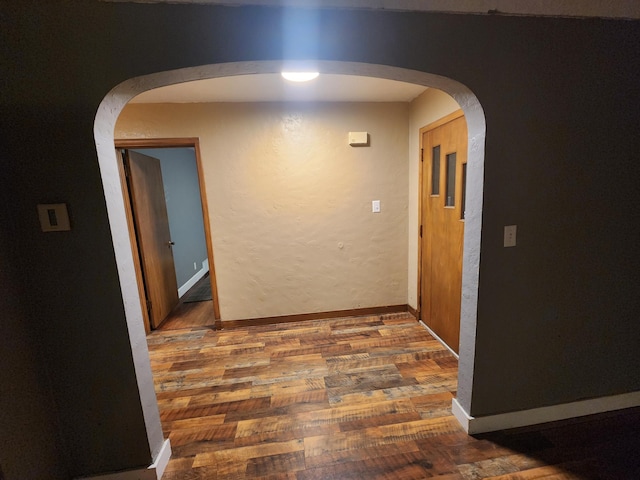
x=28, y=440
x=184, y=208
x=557, y=315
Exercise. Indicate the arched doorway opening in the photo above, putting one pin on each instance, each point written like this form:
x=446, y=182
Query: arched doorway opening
x=115, y=101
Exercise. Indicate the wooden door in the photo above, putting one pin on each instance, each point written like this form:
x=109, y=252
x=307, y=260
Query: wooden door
x=151, y=222
x=443, y=180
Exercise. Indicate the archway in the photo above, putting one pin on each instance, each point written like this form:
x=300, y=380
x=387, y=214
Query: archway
x=115, y=101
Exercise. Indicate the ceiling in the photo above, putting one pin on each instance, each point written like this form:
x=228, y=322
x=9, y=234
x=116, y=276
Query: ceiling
x=273, y=88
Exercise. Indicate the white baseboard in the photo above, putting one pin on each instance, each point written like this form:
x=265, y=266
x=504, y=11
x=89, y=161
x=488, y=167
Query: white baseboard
x=433, y=334
x=160, y=464
x=153, y=472
x=463, y=417
x=534, y=416
x=193, y=280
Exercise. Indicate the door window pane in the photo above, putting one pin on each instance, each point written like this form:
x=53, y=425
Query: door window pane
x=450, y=200
x=435, y=171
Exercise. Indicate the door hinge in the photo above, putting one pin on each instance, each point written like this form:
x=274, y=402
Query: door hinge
x=422, y=154
x=149, y=306
x=420, y=231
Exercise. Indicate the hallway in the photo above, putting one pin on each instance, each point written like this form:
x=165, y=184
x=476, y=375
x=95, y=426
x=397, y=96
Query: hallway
x=351, y=398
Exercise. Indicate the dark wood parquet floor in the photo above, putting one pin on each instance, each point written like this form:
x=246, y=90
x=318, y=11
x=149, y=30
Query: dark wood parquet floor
x=353, y=398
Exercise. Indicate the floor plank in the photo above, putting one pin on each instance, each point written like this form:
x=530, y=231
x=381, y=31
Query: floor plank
x=351, y=398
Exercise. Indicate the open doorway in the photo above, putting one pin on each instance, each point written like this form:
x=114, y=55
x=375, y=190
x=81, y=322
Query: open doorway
x=169, y=225
x=113, y=104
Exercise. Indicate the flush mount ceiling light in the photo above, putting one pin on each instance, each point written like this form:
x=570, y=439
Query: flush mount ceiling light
x=300, y=76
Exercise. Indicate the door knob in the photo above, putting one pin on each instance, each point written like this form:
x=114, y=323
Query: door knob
x=170, y=244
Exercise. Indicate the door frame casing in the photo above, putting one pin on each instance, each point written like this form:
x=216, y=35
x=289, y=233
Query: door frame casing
x=189, y=142
x=421, y=227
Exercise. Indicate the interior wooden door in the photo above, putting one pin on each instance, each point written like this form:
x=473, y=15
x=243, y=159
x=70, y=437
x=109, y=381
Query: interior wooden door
x=444, y=159
x=151, y=222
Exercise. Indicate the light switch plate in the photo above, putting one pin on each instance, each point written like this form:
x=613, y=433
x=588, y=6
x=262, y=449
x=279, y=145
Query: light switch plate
x=375, y=206
x=510, y=235
x=54, y=217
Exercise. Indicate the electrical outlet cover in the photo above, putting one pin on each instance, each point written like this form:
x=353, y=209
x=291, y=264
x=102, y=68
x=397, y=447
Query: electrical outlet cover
x=510, y=235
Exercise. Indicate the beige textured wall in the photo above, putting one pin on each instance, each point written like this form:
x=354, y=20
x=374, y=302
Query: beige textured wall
x=432, y=105
x=290, y=200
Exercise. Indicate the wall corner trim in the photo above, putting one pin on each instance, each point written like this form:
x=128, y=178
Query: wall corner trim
x=534, y=416
x=153, y=472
